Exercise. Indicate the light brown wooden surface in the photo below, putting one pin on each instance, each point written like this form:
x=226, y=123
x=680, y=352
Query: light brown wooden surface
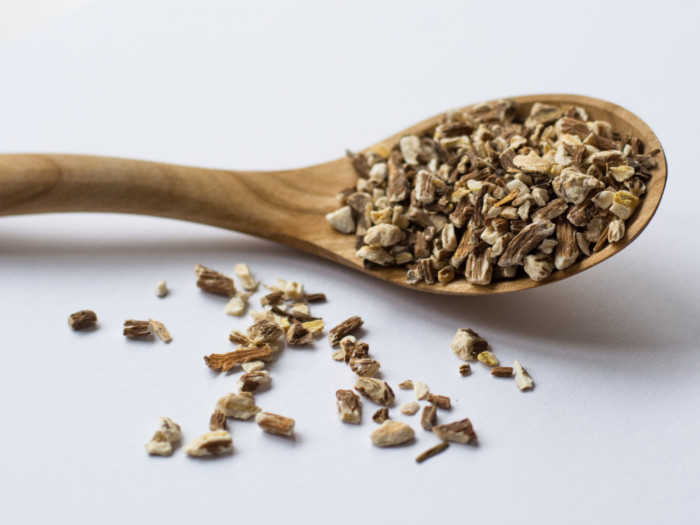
x=283, y=206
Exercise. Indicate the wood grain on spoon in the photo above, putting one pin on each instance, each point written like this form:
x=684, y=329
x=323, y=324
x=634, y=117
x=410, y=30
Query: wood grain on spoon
x=283, y=206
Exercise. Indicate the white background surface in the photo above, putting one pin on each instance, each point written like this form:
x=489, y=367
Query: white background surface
x=610, y=434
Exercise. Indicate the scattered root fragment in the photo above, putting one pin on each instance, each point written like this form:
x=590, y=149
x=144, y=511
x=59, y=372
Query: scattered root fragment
x=298, y=334
x=250, y=382
x=406, y=385
x=162, y=288
x=172, y=430
x=243, y=272
x=428, y=418
x=238, y=303
x=440, y=401
x=488, y=358
x=225, y=362
x=467, y=344
x=82, y=319
x=217, y=421
x=433, y=451
x=391, y=433
x=252, y=366
x=264, y=331
x=214, y=443
x=315, y=327
x=134, y=328
x=160, y=330
x=214, y=282
x=457, y=432
x=315, y=297
x=409, y=408
x=365, y=367
x=338, y=355
x=167, y=434
x=376, y=390
x=502, y=371
x=522, y=378
x=159, y=445
x=275, y=424
x=345, y=328
x=420, y=389
x=349, y=406
x=381, y=415
x=237, y=406
x=465, y=369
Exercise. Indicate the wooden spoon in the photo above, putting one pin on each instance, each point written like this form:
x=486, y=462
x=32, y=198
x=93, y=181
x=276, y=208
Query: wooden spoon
x=283, y=206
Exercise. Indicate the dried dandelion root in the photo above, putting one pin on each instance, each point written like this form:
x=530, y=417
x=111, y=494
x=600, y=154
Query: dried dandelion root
x=391, y=433
x=490, y=197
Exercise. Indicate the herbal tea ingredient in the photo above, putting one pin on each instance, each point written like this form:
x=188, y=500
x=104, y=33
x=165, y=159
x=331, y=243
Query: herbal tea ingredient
x=82, y=319
x=489, y=197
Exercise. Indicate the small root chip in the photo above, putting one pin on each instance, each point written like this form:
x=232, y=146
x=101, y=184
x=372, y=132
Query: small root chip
x=349, y=406
x=391, y=433
x=275, y=424
x=433, y=451
x=82, y=319
x=457, y=432
x=213, y=443
x=160, y=330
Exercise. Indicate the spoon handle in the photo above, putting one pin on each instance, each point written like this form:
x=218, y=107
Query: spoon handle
x=283, y=206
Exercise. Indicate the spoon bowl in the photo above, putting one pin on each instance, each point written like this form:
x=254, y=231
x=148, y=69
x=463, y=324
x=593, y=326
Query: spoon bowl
x=283, y=206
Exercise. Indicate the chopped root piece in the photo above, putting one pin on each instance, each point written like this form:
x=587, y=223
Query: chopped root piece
x=237, y=305
x=349, y=406
x=315, y=327
x=457, y=432
x=160, y=330
x=315, y=297
x=237, y=406
x=166, y=435
x=409, y=408
x=406, y=385
x=376, y=390
x=239, y=339
x=213, y=443
x=250, y=382
x=345, y=328
x=391, y=433
x=487, y=358
x=162, y=288
x=428, y=418
x=467, y=344
x=365, y=367
x=172, y=430
x=522, y=378
x=243, y=272
x=225, y=362
x=298, y=334
x=275, y=424
x=381, y=415
x=502, y=371
x=465, y=369
x=159, y=445
x=432, y=451
x=264, y=331
x=214, y=282
x=217, y=421
x=134, y=328
x=82, y=319
x=440, y=401
x=252, y=366
x=272, y=299
x=420, y=389
x=338, y=355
